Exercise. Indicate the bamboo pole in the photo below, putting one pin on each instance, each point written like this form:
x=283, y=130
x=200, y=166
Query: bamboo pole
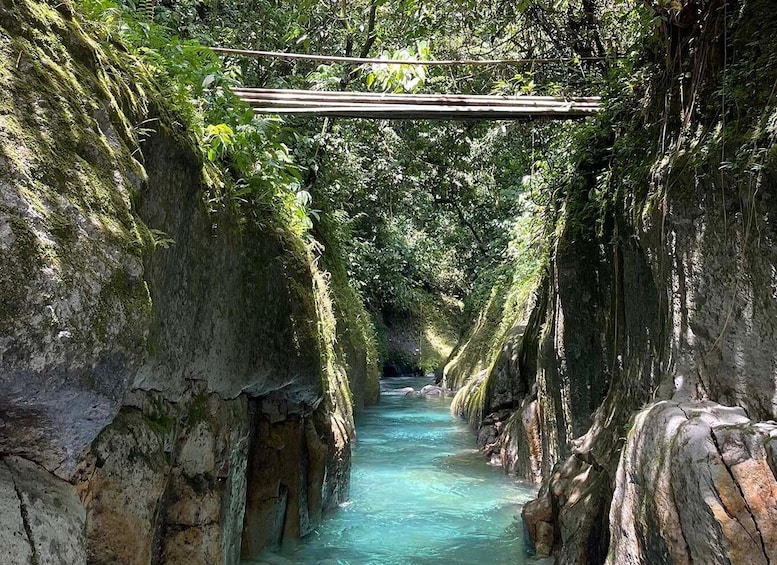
x=569, y=108
x=334, y=103
x=312, y=104
x=303, y=92
x=411, y=111
x=415, y=106
x=250, y=94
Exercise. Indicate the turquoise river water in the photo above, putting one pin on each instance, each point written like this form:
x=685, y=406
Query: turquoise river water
x=420, y=494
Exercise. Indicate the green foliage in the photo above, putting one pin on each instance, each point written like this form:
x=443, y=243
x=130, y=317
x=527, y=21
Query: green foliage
x=218, y=139
x=425, y=207
x=180, y=66
x=428, y=207
x=252, y=150
x=397, y=77
x=499, y=304
x=459, y=211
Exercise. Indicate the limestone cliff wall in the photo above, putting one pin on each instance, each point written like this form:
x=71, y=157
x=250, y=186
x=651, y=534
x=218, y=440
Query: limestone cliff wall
x=171, y=388
x=648, y=409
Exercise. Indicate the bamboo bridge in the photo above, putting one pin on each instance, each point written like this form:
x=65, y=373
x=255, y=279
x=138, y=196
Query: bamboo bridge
x=376, y=105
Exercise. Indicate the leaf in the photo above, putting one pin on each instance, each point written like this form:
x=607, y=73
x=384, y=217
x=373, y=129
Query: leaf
x=304, y=198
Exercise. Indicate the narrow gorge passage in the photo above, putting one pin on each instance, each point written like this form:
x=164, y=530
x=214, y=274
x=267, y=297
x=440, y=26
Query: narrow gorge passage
x=198, y=299
x=420, y=493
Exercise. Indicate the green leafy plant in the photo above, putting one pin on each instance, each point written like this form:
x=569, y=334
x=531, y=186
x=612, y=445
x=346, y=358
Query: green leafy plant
x=398, y=77
x=252, y=150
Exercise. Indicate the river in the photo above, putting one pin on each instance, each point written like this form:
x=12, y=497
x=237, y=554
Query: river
x=421, y=494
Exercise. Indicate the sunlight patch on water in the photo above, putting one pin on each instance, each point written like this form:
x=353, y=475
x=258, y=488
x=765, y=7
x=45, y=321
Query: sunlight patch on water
x=420, y=494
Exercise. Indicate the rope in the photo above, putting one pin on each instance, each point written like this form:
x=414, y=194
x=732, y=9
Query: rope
x=374, y=61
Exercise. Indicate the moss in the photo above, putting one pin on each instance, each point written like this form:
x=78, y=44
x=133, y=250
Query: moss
x=334, y=375
x=66, y=148
x=122, y=298
x=62, y=229
x=160, y=423
x=159, y=415
x=354, y=329
x=49, y=108
x=439, y=332
x=351, y=328
x=472, y=363
x=197, y=411
x=23, y=259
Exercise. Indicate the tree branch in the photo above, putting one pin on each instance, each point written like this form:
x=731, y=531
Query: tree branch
x=371, y=33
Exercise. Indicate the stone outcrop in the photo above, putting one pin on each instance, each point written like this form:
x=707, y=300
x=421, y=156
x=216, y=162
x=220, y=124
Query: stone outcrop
x=75, y=310
x=690, y=320
x=695, y=484
x=432, y=391
x=161, y=358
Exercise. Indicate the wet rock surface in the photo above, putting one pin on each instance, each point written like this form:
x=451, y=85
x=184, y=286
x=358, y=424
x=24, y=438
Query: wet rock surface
x=432, y=391
x=427, y=391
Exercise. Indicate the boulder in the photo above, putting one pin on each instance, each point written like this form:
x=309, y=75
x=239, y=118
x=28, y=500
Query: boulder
x=432, y=391
x=13, y=536
x=538, y=524
x=695, y=484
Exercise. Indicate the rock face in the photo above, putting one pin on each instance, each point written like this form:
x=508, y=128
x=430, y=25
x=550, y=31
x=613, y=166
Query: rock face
x=646, y=410
x=179, y=482
x=42, y=516
x=695, y=485
x=690, y=320
x=420, y=341
x=160, y=359
x=75, y=311
x=432, y=391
